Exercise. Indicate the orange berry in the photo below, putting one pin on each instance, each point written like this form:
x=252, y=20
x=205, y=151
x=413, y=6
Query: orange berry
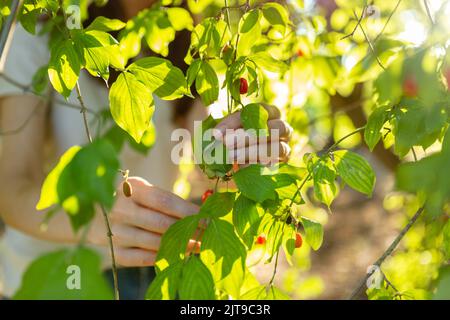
x=298, y=240
x=206, y=195
x=260, y=240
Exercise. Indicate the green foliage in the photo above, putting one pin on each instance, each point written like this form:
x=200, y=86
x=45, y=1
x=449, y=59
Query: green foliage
x=324, y=175
x=254, y=116
x=429, y=177
x=313, y=231
x=48, y=277
x=307, y=63
x=83, y=177
x=254, y=185
x=196, y=281
x=355, y=171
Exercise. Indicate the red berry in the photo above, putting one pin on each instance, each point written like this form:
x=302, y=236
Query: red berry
x=298, y=240
x=410, y=87
x=243, y=86
x=206, y=195
x=260, y=240
x=447, y=77
x=300, y=53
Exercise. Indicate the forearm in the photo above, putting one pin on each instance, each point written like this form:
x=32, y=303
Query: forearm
x=17, y=209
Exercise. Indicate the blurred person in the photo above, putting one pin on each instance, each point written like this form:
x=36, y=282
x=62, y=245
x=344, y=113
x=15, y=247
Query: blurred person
x=50, y=129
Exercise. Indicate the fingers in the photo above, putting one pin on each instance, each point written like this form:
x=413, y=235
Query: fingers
x=233, y=121
x=239, y=138
x=130, y=237
x=160, y=200
x=134, y=215
x=270, y=153
x=132, y=257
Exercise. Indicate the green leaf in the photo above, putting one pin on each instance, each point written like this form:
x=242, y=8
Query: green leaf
x=48, y=277
x=192, y=72
x=273, y=228
x=313, y=233
x=429, y=175
x=204, y=150
x=221, y=249
x=160, y=77
x=324, y=176
x=207, y=84
x=95, y=47
x=446, y=239
x=174, y=242
x=218, y=205
x=355, y=171
x=49, y=192
x=40, y=79
x=254, y=185
x=246, y=219
x=104, y=24
x=289, y=239
x=249, y=31
x=180, y=18
x=375, y=123
x=415, y=124
x=28, y=17
x=131, y=105
x=88, y=179
x=196, y=281
x=254, y=116
x=265, y=61
x=166, y=283
x=274, y=293
x=275, y=14
x=443, y=288
x=64, y=67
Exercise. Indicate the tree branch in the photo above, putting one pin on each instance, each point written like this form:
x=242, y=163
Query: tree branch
x=370, y=43
x=387, y=253
x=427, y=9
x=7, y=31
x=27, y=89
x=359, y=20
x=387, y=21
x=104, y=213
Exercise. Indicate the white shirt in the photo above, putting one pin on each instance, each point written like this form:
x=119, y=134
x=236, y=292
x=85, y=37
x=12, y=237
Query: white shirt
x=26, y=55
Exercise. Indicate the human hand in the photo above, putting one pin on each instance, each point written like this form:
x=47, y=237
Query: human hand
x=265, y=150
x=138, y=222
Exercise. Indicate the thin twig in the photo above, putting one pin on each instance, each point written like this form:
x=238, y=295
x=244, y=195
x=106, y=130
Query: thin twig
x=427, y=9
x=370, y=43
x=24, y=124
x=387, y=21
x=387, y=253
x=359, y=20
x=28, y=89
x=83, y=112
x=105, y=214
x=337, y=143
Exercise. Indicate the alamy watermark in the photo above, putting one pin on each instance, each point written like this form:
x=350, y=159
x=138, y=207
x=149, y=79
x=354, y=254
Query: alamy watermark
x=230, y=146
x=73, y=281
